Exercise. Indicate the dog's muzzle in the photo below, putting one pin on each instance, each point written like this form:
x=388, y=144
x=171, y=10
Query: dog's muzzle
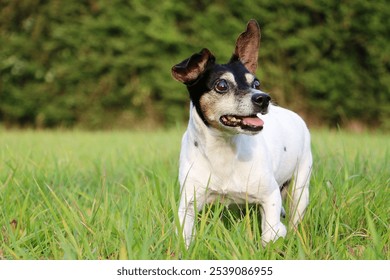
x=261, y=100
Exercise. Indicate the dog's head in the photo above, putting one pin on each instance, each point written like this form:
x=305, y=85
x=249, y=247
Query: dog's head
x=227, y=96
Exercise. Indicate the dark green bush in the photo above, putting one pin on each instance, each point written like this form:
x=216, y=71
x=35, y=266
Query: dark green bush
x=104, y=64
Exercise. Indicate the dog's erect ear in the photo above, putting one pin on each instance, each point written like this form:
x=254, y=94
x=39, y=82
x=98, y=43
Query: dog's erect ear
x=189, y=70
x=247, y=46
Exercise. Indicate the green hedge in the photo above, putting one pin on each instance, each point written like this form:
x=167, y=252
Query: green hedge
x=105, y=64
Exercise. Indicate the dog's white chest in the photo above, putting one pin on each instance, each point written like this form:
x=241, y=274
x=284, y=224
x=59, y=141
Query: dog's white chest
x=233, y=172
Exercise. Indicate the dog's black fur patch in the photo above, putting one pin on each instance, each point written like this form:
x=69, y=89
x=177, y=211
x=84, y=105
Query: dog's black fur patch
x=206, y=81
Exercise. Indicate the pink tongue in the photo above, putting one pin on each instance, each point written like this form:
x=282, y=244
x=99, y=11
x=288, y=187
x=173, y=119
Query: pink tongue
x=253, y=121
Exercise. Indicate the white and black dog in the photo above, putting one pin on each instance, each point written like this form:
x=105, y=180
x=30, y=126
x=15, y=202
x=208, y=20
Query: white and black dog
x=238, y=145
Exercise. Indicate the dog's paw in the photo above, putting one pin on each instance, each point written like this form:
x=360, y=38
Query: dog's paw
x=273, y=233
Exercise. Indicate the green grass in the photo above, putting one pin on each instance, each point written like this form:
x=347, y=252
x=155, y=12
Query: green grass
x=114, y=195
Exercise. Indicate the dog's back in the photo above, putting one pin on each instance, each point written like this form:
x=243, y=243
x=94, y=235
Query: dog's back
x=288, y=141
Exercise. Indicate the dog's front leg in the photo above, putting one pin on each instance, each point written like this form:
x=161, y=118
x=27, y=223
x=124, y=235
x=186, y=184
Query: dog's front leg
x=271, y=226
x=187, y=220
x=187, y=213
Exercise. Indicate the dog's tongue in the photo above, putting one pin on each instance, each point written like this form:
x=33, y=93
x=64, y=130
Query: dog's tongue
x=253, y=121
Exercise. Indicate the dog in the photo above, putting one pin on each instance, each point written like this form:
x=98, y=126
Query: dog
x=238, y=146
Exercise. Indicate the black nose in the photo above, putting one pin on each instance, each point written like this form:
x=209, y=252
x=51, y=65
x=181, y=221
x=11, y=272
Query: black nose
x=261, y=99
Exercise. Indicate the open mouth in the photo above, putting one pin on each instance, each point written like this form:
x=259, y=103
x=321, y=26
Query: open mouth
x=251, y=123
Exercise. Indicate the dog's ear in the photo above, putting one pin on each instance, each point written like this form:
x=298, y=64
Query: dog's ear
x=189, y=69
x=247, y=46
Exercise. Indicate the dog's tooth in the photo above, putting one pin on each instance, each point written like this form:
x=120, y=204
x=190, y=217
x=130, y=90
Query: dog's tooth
x=233, y=119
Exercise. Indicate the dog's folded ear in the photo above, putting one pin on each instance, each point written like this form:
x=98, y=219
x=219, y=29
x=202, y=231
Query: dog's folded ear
x=247, y=46
x=189, y=69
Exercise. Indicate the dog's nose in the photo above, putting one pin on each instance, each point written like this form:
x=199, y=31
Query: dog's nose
x=261, y=99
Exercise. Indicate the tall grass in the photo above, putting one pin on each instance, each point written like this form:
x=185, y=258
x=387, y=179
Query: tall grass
x=114, y=195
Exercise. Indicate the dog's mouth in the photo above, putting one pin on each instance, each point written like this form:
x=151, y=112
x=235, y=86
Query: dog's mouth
x=251, y=123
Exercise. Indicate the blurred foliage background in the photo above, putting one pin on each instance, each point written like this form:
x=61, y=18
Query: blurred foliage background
x=100, y=64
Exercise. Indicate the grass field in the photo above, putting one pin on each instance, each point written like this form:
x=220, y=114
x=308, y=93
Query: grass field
x=114, y=195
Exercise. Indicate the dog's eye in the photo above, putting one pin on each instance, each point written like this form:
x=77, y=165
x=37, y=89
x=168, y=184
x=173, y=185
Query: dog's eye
x=221, y=86
x=256, y=84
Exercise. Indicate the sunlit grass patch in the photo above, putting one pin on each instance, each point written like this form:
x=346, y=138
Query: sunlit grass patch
x=114, y=195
